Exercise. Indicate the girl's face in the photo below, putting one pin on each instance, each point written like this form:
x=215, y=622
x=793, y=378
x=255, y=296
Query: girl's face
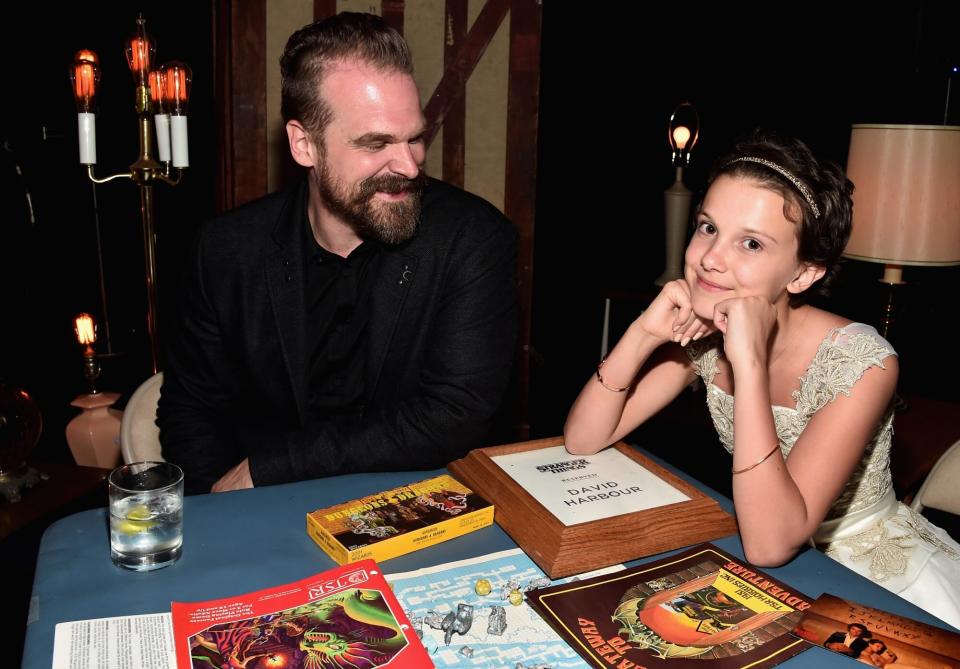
x=744, y=246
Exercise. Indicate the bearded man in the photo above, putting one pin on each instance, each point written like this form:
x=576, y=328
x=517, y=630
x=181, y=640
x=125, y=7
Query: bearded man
x=363, y=320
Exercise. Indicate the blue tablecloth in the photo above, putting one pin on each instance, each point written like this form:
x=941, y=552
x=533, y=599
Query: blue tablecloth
x=251, y=539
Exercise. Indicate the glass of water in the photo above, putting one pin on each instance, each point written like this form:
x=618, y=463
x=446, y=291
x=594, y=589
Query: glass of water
x=146, y=515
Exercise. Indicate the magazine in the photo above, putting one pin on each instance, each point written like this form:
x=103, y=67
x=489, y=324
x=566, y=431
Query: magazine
x=699, y=608
x=877, y=638
x=345, y=617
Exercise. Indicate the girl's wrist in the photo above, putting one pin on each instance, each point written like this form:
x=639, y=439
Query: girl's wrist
x=641, y=339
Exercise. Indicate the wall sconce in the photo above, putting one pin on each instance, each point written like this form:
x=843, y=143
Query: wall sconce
x=683, y=132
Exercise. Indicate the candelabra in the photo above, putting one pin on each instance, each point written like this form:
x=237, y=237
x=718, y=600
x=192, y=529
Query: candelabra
x=162, y=93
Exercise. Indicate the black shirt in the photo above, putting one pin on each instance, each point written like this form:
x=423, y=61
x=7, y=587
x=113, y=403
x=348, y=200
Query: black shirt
x=337, y=309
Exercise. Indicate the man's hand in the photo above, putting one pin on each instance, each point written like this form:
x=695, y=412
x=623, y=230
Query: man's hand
x=237, y=478
x=838, y=647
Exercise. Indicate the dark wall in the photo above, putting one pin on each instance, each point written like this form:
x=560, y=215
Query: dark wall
x=610, y=80
x=49, y=265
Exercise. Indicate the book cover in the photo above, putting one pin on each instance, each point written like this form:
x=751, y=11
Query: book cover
x=876, y=637
x=344, y=618
x=398, y=521
x=700, y=608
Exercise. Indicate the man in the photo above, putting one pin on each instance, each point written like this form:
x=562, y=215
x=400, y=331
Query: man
x=362, y=321
x=852, y=643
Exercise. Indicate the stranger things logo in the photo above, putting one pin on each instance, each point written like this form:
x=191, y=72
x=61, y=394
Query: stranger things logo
x=701, y=608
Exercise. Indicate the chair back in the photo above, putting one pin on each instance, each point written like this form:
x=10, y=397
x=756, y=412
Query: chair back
x=139, y=434
x=940, y=489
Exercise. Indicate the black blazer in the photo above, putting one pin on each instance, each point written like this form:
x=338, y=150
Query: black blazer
x=440, y=346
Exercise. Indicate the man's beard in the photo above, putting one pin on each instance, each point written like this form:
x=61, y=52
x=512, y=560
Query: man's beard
x=387, y=222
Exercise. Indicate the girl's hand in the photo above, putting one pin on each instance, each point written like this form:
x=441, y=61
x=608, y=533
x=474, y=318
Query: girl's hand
x=670, y=316
x=747, y=324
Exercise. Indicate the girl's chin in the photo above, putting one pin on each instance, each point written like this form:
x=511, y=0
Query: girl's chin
x=704, y=309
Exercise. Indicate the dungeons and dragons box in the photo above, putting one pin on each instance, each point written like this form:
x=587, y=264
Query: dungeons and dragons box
x=398, y=521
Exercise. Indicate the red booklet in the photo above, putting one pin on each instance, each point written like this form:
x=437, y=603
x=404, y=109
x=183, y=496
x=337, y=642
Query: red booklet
x=345, y=617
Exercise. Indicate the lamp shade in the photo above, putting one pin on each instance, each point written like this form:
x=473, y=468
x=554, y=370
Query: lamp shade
x=906, y=202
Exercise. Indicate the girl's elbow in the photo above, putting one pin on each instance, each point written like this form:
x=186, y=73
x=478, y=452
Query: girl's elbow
x=768, y=556
x=578, y=444
x=573, y=445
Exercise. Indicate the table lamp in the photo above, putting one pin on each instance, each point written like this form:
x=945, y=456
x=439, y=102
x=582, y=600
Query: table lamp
x=906, y=202
x=94, y=434
x=682, y=133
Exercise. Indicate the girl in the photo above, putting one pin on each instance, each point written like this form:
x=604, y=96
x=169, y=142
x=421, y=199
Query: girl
x=800, y=397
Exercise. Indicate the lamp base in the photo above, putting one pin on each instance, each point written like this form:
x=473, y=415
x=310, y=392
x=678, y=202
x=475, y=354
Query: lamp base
x=893, y=280
x=94, y=435
x=676, y=206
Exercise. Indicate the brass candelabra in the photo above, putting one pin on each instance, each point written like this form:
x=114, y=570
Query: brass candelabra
x=161, y=93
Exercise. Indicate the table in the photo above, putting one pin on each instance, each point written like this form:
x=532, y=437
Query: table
x=65, y=485
x=247, y=540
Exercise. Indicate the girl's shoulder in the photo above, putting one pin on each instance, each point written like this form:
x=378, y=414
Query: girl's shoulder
x=823, y=329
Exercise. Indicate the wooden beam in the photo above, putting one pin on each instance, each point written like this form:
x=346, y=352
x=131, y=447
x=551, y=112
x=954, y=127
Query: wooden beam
x=454, y=79
x=324, y=8
x=392, y=13
x=455, y=123
x=523, y=102
x=240, y=75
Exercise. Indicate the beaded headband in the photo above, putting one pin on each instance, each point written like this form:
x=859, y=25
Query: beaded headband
x=788, y=175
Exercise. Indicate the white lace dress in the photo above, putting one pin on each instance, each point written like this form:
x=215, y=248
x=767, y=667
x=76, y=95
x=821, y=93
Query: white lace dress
x=866, y=529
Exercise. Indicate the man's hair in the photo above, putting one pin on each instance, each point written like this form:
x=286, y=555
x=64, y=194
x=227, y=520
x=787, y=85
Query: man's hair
x=312, y=50
x=860, y=625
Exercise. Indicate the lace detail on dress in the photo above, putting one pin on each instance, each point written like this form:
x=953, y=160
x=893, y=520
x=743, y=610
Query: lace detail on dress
x=704, y=353
x=923, y=530
x=888, y=555
x=871, y=479
x=837, y=365
x=840, y=361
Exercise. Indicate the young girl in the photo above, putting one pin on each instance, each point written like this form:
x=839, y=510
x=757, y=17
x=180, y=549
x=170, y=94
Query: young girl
x=813, y=391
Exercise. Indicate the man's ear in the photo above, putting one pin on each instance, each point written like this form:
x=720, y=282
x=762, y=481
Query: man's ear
x=302, y=148
x=808, y=275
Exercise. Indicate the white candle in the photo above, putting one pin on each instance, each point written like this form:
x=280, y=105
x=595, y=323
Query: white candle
x=163, y=136
x=178, y=141
x=87, y=127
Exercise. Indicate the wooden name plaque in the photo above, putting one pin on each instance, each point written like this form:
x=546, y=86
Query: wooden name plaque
x=573, y=513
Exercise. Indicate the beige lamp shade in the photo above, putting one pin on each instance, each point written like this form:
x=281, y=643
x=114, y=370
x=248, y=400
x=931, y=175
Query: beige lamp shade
x=906, y=202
